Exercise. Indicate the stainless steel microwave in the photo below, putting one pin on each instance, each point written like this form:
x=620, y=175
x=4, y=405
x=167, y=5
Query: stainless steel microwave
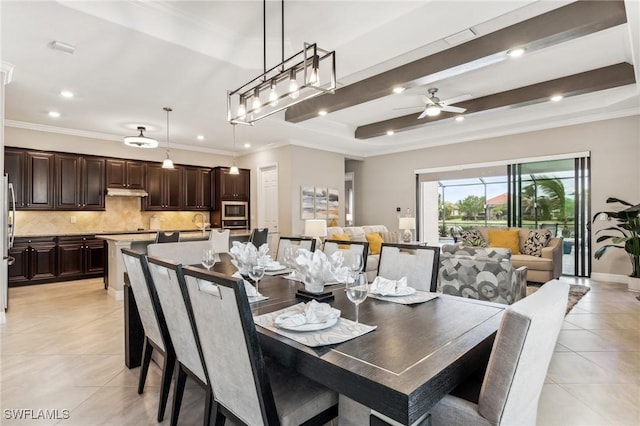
x=234, y=210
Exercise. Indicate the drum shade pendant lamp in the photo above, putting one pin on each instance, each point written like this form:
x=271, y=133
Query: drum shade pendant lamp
x=167, y=163
x=234, y=168
x=308, y=73
x=140, y=141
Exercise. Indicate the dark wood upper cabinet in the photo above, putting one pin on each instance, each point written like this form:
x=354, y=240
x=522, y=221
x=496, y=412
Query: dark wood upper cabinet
x=14, y=165
x=125, y=174
x=196, y=188
x=79, y=182
x=31, y=173
x=164, y=187
x=230, y=187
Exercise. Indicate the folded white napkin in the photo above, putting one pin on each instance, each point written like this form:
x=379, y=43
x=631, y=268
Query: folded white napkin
x=312, y=313
x=385, y=286
x=251, y=290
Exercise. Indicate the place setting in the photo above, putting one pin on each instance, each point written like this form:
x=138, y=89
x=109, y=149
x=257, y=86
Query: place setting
x=397, y=291
x=251, y=264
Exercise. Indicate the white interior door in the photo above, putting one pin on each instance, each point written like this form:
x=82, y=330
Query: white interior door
x=268, y=198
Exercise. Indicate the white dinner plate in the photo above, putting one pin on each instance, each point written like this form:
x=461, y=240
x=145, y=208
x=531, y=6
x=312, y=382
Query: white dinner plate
x=404, y=291
x=310, y=327
x=274, y=268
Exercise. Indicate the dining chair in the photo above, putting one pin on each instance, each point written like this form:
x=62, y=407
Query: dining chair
x=517, y=367
x=348, y=249
x=179, y=317
x=167, y=237
x=419, y=263
x=249, y=389
x=186, y=253
x=219, y=240
x=259, y=236
x=156, y=334
x=300, y=242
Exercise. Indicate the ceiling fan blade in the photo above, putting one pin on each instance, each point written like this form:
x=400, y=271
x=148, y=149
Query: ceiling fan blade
x=450, y=108
x=457, y=99
x=423, y=115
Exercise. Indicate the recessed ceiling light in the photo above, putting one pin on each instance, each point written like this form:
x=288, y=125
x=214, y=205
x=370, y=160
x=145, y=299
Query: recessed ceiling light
x=66, y=94
x=54, y=114
x=247, y=145
x=322, y=112
x=398, y=89
x=556, y=98
x=460, y=118
x=515, y=52
x=200, y=137
x=390, y=132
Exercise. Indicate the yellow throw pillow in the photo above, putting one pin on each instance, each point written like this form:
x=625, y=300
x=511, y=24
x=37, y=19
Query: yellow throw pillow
x=375, y=242
x=341, y=237
x=505, y=238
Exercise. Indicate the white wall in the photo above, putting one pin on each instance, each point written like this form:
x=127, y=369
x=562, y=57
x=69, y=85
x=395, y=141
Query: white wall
x=384, y=182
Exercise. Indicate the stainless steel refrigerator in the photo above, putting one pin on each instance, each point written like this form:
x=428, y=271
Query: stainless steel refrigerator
x=7, y=221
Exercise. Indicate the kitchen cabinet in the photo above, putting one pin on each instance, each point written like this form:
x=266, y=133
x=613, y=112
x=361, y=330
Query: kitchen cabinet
x=80, y=256
x=80, y=182
x=35, y=261
x=230, y=187
x=196, y=188
x=31, y=173
x=164, y=187
x=125, y=174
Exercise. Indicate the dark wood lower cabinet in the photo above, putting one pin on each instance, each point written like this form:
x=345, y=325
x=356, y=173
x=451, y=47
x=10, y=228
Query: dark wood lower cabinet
x=42, y=260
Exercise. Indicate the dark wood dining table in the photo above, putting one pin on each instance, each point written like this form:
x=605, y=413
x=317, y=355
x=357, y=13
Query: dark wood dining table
x=416, y=355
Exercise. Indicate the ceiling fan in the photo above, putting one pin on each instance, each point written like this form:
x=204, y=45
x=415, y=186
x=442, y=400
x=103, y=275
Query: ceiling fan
x=433, y=104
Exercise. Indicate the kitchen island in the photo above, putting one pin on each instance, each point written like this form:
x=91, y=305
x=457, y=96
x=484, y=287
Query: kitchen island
x=114, y=278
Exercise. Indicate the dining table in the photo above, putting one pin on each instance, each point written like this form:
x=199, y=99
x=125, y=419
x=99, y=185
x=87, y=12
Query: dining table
x=416, y=354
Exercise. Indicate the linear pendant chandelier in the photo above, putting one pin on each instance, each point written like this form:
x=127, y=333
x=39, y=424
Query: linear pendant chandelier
x=308, y=73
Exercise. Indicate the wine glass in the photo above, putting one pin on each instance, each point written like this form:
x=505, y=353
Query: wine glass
x=357, y=290
x=355, y=263
x=290, y=253
x=208, y=258
x=256, y=273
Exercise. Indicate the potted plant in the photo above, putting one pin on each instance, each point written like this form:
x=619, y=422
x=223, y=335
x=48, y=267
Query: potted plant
x=625, y=237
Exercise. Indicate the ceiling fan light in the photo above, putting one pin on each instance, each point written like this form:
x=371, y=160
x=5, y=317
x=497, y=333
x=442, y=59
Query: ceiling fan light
x=433, y=110
x=140, y=141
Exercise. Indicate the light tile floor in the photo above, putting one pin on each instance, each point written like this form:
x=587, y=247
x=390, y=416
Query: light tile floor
x=62, y=351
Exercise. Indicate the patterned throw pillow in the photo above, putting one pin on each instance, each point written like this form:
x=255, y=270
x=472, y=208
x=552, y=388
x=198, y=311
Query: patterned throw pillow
x=536, y=241
x=473, y=238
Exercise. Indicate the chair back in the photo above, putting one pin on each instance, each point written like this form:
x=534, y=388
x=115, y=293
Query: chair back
x=164, y=277
x=300, y=242
x=259, y=236
x=230, y=346
x=418, y=263
x=521, y=354
x=149, y=308
x=219, y=240
x=348, y=249
x=185, y=253
x=167, y=237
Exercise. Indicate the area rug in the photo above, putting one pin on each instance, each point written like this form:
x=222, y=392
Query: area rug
x=576, y=292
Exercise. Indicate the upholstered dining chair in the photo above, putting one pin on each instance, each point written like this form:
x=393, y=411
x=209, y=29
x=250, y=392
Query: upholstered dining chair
x=419, y=263
x=517, y=365
x=167, y=237
x=219, y=241
x=348, y=249
x=249, y=389
x=179, y=317
x=156, y=334
x=259, y=236
x=300, y=242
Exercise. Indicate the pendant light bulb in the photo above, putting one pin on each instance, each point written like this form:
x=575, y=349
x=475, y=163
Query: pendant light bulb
x=293, y=85
x=242, y=108
x=167, y=163
x=314, y=74
x=256, y=105
x=273, y=94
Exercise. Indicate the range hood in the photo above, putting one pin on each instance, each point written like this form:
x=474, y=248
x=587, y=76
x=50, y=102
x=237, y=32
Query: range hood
x=124, y=192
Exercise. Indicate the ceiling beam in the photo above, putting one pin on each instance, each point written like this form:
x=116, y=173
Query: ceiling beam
x=562, y=24
x=577, y=84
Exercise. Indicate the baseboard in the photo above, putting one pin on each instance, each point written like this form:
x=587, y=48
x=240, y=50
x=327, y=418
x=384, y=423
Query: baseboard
x=610, y=278
x=116, y=294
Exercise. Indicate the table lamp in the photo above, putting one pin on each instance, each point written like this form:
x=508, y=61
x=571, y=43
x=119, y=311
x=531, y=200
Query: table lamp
x=407, y=224
x=315, y=228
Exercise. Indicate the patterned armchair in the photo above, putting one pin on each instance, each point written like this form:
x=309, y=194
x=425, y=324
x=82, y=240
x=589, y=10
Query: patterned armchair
x=481, y=273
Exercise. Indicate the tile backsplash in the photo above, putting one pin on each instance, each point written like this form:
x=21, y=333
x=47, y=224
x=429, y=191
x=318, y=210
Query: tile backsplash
x=122, y=214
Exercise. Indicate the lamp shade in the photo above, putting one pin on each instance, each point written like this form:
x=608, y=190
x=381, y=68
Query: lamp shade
x=407, y=223
x=315, y=228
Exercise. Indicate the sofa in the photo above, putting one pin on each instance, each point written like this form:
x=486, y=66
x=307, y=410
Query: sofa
x=540, y=269
x=481, y=273
x=358, y=233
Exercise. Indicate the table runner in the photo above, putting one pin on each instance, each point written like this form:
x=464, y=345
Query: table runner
x=417, y=297
x=342, y=331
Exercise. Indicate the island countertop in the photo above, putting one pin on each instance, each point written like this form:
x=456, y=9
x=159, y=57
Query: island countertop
x=184, y=236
